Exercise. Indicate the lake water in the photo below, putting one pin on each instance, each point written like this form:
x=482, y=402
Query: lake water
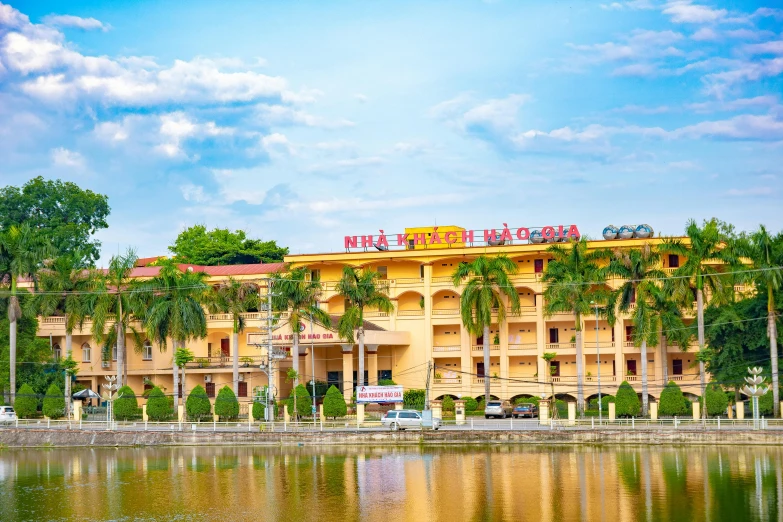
x=387, y=484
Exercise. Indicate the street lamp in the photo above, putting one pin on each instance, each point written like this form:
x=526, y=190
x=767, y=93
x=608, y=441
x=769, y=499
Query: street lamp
x=598, y=363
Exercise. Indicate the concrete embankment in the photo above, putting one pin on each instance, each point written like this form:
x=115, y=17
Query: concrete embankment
x=17, y=438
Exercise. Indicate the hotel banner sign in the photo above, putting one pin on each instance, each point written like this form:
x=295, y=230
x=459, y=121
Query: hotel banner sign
x=366, y=394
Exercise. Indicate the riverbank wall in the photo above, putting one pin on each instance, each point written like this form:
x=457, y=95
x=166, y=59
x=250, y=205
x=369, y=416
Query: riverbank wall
x=28, y=438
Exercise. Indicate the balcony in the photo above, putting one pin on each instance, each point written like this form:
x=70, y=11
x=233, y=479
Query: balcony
x=560, y=346
x=410, y=313
x=441, y=280
x=524, y=311
x=604, y=378
x=564, y=378
x=684, y=377
x=480, y=380
x=529, y=347
x=447, y=311
x=480, y=348
x=452, y=348
x=376, y=314
x=638, y=378
x=224, y=361
x=447, y=380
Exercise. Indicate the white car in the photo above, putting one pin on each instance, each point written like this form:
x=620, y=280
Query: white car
x=404, y=419
x=7, y=414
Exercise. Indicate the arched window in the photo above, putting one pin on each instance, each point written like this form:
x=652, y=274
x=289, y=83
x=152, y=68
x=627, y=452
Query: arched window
x=86, y=352
x=56, y=352
x=147, y=351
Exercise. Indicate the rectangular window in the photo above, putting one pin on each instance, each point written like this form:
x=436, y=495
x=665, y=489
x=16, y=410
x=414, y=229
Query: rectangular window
x=335, y=379
x=384, y=272
x=554, y=335
x=147, y=353
x=674, y=261
x=612, y=334
x=209, y=349
x=86, y=353
x=629, y=333
x=365, y=378
x=555, y=368
x=315, y=274
x=242, y=389
x=57, y=352
x=538, y=266
x=384, y=375
x=480, y=369
x=421, y=271
x=210, y=386
x=630, y=365
x=677, y=366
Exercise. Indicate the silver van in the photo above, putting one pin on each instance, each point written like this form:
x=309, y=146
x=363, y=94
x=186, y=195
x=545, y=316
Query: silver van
x=404, y=419
x=501, y=409
x=7, y=414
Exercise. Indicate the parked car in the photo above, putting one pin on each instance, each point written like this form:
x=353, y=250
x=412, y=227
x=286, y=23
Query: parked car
x=525, y=410
x=499, y=409
x=404, y=419
x=7, y=414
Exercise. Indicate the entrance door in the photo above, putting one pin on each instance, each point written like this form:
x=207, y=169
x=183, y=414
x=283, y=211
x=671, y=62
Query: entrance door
x=554, y=335
x=480, y=369
x=225, y=348
x=242, y=389
x=631, y=367
x=555, y=368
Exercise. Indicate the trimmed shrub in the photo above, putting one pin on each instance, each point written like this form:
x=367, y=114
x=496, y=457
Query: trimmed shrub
x=765, y=403
x=303, y=402
x=717, y=402
x=26, y=403
x=627, y=403
x=470, y=404
x=259, y=408
x=334, y=403
x=672, y=401
x=386, y=382
x=448, y=404
x=526, y=400
x=226, y=404
x=158, y=406
x=126, y=406
x=605, y=400
x=54, y=402
x=413, y=399
x=197, y=405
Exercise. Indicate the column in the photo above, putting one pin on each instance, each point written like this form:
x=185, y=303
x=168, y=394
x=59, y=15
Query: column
x=466, y=361
x=393, y=314
x=619, y=357
x=543, y=371
x=372, y=364
x=428, y=311
x=503, y=372
x=347, y=350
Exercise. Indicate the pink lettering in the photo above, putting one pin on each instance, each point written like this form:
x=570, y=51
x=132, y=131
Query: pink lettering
x=350, y=241
x=548, y=232
x=523, y=234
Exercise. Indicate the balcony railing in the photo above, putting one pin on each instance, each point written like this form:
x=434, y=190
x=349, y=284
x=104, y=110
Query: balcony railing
x=410, y=313
x=523, y=311
x=523, y=346
x=448, y=311
x=684, y=377
x=560, y=346
x=453, y=348
x=564, y=378
x=375, y=313
x=442, y=279
x=225, y=361
x=480, y=348
x=447, y=380
x=638, y=378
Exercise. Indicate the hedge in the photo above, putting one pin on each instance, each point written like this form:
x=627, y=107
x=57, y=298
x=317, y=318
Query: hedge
x=303, y=402
x=526, y=400
x=605, y=400
x=765, y=403
x=26, y=403
x=470, y=404
x=334, y=403
x=226, y=404
x=672, y=401
x=54, y=402
x=413, y=399
x=197, y=405
x=158, y=406
x=448, y=404
x=717, y=402
x=126, y=406
x=626, y=402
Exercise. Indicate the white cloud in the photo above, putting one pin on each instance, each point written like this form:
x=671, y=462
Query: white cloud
x=762, y=12
x=685, y=12
x=748, y=34
x=277, y=144
x=638, y=109
x=614, y=6
x=78, y=22
x=765, y=102
x=773, y=47
x=636, y=69
x=361, y=97
x=194, y=193
x=361, y=162
x=705, y=34
x=750, y=192
x=176, y=127
x=720, y=83
x=282, y=115
x=743, y=127
x=63, y=157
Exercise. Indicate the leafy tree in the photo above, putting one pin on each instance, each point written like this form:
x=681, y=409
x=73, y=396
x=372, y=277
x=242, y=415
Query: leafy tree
x=33, y=352
x=61, y=213
x=182, y=356
x=668, y=315
x=54, y=402
x=413, y=399
x=226, y=404
x=235, y=298
x=766, y=406
x=334, y=403
x=158, y=406
x=672, y=401
x=527, y=400
x=198, y=405
x=571, y=278
x=221, y=246
x=301, y=399
x=716, y=400
x=26, y=405
x=487, y=286
x=605, y=400
x=126, y=406
x=626, y=402
x=448, y=404
x=470, y=404
x=361, y=288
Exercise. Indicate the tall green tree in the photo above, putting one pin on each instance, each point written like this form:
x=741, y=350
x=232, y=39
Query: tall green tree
x=22, y=254
x=65, y=285
x=221, y=246
x=61, y=213
x=183, y=356
x=670, y=318
x=33, y=353
x=297, y=295
x=234, y=297
x=573, y=278
x=173, y=310
x=765, y=253
x=639, y=268
x=360, y=288
x=487, y=288
x=707, y=250
x=115, y=297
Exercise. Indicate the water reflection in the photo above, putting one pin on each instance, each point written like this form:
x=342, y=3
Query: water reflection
x=386, y=484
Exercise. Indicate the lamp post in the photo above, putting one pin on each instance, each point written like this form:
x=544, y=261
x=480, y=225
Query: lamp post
x=598, y=363
x=754, y=390
x=312, y=364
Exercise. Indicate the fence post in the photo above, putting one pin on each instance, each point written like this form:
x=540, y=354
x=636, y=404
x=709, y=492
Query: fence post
x=675, y=422
x=511, y=423
x=322, y=420
x=145, y=425
x=592, y=423
x=48, y=423
x=633, y=423
x=718, y=422
x=214, y=423
x=471, y=424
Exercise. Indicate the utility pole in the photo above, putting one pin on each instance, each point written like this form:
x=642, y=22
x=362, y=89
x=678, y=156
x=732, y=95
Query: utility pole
x=427, y=387
x=269, y=376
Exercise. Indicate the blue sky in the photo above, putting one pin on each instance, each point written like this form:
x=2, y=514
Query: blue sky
x=307, y=121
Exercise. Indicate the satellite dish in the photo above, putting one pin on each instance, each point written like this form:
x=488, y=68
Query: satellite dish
x=381, y=247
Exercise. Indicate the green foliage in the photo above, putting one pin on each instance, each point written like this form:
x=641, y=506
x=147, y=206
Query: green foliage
x=672, y=401
x=386, y=382
x=303, y=402
x=258, y=410
x=470, y=404
x=527, y=400
x=717, y=401
x=766, y=402
x=54, y=402
x=221, y=246
x=361, y=289
x=334, y=403
x=198, y=406
x=183, y=356
x=226, y=404
x=448, y=404
x=605, y=400
x=26, y=405
x=413, y=399
x=41, y=373
x=626, y=401
x=61, y=213
x=158, y=406
x=126, y=406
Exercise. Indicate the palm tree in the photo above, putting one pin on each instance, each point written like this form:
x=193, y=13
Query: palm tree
x=182, y=356
x=112, y=309
x=173, y=310
x=639, y=269
x=669, y=317
x=573, y=280
x=23, y=253
x=766, y=257
x=235, y=298
x=65, y=283
x=709, y=246
x=487, y=283
x=360, y=288
x=295, y=293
